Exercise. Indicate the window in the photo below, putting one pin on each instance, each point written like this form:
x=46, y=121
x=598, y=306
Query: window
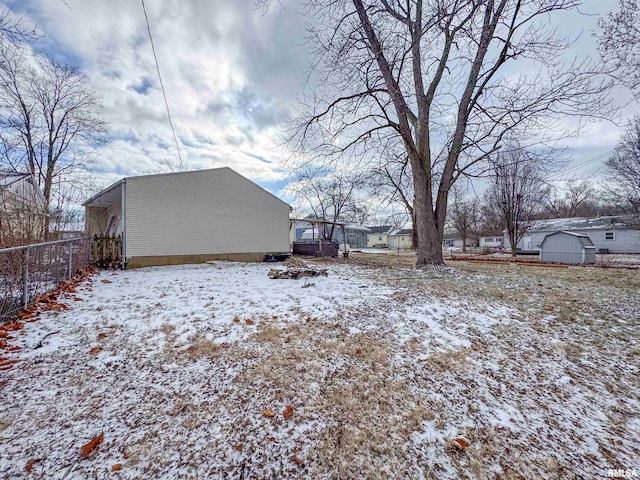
x=379, y=237
x=609, y=235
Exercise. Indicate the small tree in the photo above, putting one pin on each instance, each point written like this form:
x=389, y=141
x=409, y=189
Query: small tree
x=464, y=216
x=329, y=195
x=623, y=168
x=517, y=193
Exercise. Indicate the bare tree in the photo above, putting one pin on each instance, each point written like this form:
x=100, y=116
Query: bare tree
x=434, y=76
x=464, y=215
x=619, y=42
x=624, y=169
x=516, y=196
x=574, y=199
x=49, y=118
x=329, y=195
x=15, y=29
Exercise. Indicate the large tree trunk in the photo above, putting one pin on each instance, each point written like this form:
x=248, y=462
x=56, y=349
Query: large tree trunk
x=429, y=249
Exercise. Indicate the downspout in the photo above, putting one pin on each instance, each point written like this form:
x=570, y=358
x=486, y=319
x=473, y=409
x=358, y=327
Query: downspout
x=124, y=223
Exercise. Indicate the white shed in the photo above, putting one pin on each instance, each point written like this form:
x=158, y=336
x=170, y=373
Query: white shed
x=567, y=247
x=190, y=217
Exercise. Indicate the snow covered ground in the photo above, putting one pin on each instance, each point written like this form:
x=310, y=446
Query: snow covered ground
x=216, y=371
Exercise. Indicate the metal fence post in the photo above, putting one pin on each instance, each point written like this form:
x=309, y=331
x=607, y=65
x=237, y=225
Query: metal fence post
x=70, y=260
x=25, y=279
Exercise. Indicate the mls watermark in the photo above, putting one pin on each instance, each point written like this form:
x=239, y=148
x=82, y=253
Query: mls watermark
x=622, y=473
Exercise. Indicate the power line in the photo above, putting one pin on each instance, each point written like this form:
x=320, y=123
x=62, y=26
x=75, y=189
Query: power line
x=575, y=168
x=164, y=94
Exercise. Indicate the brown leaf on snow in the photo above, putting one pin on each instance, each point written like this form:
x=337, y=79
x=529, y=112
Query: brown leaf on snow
x=102, y=335
x=88, y=449
x=236, y=320
x=460, y=443
x=29, y=466
x=3, y=334
x=238, y=447
x=104, y=280
x=95, y=350
x=269, y=413
x=117, y=467
x=248, y=321
x=287, y=413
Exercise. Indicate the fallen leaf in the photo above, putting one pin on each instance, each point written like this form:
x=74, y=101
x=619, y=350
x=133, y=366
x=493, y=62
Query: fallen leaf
x=460, y=443
x=102, y=335
x=117, y=467
x=3, y=334
x=238, y=447
x=88, y=449
x=14, y=349
x=236, y=320
x=29, y=466
x=248, y=321
x=269, y=413
x=296, y=459
x=3, y=343
x=104, y=280
x=287, y=413
x=95, y=350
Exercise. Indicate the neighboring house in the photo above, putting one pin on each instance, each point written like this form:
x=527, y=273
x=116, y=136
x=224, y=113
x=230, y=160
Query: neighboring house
x=190, y=217
x=356, y=234
x=401, y=239
x=378, y=237
x=491, y=241
x=22, y=209
x=567, y=247
x=613, y=234
x=453, y=240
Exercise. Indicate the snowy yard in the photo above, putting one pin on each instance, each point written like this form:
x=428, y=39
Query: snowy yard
x=216, y=371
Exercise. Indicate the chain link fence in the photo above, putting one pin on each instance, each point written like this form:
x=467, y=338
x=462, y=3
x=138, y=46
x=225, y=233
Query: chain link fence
x=31, y=270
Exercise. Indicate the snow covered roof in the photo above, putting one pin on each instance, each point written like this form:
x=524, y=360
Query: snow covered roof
x=586, y=223
x=402, y=231
x=381, y=229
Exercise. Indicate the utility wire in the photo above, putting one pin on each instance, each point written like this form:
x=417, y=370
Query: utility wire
x=164, y=94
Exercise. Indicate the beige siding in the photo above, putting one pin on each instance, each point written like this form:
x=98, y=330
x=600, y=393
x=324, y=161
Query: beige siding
x=97, y=219
x=204, y=212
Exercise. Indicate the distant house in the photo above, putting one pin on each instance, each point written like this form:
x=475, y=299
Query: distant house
x=378, y=237
x=567, y=247
x=22, y=209
x=356, y=235
x=453, y=240
x=401, y=239
x=491, y=241
x=190, y=217
x=612, y=234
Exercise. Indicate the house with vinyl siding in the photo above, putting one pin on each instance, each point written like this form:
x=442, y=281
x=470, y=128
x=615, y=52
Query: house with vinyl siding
x=190, y=217
x=22, y=209
x=610, y=234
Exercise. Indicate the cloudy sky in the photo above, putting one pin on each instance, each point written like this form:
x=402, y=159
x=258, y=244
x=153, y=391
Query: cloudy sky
x=232, y=74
